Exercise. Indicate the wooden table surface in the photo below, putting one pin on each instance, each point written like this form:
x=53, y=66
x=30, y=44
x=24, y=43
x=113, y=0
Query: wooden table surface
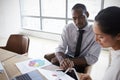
x=9, y=59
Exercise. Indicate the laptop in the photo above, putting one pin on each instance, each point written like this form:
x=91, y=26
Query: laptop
x=33, y=75
x=1, y=67
x=48, y=75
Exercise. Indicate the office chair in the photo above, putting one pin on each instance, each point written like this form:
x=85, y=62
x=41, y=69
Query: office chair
x=17, y=43
x=51, y=57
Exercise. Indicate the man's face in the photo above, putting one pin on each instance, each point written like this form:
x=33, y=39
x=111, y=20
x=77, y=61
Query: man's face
x=79, y=18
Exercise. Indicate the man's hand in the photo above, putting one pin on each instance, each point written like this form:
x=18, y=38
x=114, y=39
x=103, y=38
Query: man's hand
x=66, y=63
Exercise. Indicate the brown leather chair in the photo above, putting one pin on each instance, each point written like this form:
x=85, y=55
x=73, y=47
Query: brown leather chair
x=17, y=43
x=51, y=57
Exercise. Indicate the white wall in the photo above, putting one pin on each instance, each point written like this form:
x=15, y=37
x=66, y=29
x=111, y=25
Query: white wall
x=9, y=17
x=108, y=3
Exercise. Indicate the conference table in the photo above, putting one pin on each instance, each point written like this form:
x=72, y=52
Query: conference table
x=8, y=60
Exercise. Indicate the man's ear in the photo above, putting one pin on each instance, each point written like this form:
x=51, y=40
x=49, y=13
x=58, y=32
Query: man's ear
x=87, y=14
x=118, y=36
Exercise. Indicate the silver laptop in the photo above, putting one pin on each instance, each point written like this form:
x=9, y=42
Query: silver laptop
x=33, y=75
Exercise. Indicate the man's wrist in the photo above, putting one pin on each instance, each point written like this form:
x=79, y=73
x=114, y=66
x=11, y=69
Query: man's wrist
x=61, y=58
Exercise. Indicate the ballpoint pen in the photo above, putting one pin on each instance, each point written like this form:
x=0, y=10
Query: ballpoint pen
x=67, y=70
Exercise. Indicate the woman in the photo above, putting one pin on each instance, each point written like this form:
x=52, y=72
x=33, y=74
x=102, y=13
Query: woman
x=107, y=30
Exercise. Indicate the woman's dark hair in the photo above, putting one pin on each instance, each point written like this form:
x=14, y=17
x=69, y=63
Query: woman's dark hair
x=109, y=20
x=79, y=6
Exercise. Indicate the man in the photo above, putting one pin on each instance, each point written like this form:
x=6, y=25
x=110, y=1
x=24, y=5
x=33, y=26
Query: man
x=66, y=51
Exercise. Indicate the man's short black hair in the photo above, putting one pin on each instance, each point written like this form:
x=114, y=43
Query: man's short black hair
x=79, y=6
x=109, y=20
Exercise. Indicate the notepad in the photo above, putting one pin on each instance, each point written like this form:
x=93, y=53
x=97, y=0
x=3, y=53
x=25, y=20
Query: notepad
x=1, y=68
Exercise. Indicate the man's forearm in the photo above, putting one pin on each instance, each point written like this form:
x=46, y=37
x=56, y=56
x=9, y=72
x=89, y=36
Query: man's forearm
x=60, y=56
x=79, y=61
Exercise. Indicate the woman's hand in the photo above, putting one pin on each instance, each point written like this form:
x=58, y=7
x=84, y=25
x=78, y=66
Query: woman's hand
x=85, y=77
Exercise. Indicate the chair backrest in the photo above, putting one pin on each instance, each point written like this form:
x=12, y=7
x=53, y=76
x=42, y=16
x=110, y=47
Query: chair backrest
x=18, y=43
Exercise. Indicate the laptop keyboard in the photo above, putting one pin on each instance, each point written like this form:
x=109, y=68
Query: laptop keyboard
x=33, y=75
x=23, y=77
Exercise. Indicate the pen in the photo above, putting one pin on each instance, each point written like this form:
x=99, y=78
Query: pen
x=67, y=70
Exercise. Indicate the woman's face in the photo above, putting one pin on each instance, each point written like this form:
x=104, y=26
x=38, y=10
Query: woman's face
x=103, y=39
